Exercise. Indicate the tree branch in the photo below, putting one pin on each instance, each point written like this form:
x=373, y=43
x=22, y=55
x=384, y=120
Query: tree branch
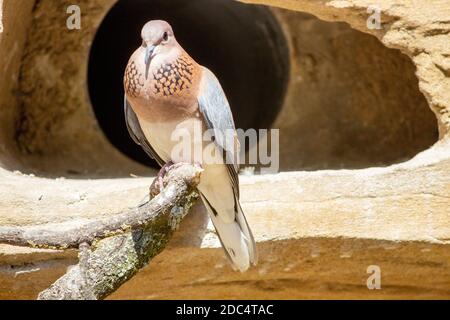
x=113, y=250
x=69, y=235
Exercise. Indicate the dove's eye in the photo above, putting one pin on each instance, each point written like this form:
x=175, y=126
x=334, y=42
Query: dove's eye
x=144, y=44
x=165, y=36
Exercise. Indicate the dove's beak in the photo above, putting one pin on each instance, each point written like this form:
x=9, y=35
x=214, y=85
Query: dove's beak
x=149, y=51
x=149, y=54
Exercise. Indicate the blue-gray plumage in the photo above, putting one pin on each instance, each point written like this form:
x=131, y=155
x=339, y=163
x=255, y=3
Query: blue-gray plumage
x=166, y=91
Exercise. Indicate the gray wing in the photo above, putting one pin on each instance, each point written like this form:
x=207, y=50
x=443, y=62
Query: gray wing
x=214, y=107
x=135, y=131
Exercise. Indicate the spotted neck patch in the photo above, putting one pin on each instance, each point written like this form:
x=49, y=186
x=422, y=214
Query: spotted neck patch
x=173, y=78
x=134, y=80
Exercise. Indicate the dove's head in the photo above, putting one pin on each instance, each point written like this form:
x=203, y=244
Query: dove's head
x=157, y=38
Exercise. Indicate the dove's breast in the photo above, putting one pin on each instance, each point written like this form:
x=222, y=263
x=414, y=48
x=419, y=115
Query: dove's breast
x=165, y=101
x=169, y=91
x=177, y=141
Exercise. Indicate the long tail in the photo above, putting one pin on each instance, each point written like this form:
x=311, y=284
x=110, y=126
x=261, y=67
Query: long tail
x=236, y=236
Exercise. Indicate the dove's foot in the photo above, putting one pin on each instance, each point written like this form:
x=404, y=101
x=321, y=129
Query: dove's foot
x=158, y=184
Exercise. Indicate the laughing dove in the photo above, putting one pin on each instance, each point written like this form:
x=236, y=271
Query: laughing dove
x=165, y=90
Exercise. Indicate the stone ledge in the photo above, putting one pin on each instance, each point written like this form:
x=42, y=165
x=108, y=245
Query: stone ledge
x=312, y=227
x=306, y=268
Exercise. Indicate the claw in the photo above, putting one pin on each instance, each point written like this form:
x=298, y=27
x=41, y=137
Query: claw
x=198, y=165
x=158, y=184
